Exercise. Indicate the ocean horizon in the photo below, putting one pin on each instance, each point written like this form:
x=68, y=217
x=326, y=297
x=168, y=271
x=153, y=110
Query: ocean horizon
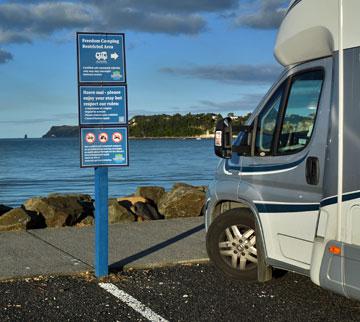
x=37, y=167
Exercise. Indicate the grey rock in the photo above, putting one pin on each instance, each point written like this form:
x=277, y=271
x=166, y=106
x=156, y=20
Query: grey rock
x=146, y=211
x=182, y=201
x=87, y=221
x=15, y=219
x=61, y=210
x=118, y=213
x=186, y=185
x=153, y=193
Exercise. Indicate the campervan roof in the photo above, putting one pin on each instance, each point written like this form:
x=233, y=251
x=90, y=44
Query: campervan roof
x=293, y=3
x=310, y=30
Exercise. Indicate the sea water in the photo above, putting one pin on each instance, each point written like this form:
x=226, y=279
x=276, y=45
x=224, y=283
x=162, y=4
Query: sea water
x=37, y=167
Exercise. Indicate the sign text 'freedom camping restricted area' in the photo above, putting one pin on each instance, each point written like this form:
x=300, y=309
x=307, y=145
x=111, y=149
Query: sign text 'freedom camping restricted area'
x=101, y=58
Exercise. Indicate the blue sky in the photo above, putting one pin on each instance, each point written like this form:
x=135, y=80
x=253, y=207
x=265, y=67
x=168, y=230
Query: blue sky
x=187, y=56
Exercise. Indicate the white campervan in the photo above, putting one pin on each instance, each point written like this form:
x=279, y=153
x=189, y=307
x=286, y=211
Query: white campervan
x=287, y=192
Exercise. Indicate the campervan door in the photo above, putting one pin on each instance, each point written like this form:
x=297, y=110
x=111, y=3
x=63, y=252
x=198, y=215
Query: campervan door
x=283, y=178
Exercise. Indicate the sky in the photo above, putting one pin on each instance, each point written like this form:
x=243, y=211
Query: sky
x=198, y=56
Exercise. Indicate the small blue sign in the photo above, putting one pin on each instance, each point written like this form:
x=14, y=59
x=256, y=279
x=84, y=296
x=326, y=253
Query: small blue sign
x=103, y=105
x=101, y=58
x=104, y=147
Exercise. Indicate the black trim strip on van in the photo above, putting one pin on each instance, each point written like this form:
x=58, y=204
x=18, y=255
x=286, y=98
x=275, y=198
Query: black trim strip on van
x=263, y=207
x=293, y=5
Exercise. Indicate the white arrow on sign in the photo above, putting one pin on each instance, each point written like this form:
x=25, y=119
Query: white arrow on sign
x=114, y=56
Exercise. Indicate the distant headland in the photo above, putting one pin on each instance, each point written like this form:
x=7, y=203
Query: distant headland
x=161, y=126
x=62, y=131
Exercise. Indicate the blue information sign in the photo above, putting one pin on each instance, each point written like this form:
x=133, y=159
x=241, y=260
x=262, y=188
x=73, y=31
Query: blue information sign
x=104, y=147
x=103, y=117
x=103, y=105
x=101, y=58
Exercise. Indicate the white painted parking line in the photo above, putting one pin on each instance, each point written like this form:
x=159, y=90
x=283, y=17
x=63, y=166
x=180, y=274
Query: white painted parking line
x=132, y=302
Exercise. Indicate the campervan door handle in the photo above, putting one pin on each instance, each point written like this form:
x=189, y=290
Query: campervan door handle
x=312, y=170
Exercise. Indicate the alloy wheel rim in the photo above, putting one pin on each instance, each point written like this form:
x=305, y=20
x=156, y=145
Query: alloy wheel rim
x=238, y=247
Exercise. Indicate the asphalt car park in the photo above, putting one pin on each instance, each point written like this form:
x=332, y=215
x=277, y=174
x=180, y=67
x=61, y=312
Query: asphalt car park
x=179, y=293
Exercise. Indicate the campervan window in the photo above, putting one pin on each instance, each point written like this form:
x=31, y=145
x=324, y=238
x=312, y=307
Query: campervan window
x=267, y=124
x=300, y=113
x=286, y=122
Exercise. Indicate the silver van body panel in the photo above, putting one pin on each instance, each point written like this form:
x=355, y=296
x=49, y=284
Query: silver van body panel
x=298, y=221
x=347, y=266
x=274, y=187
x=341, y=273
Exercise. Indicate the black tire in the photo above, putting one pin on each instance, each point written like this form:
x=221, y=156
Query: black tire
x=240, y=217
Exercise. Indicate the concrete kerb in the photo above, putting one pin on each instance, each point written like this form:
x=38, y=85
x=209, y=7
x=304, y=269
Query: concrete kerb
x=164, y=264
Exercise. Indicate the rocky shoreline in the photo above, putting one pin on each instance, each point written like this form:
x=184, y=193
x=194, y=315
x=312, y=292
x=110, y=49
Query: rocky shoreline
x=61, y=210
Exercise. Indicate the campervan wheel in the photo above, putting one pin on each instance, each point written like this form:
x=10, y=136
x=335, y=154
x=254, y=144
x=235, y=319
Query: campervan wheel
x=238, y=247
x=231, y=244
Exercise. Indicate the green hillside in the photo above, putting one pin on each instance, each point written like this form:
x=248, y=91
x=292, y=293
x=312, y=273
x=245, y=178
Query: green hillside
x=177, y=125
x=156, y=126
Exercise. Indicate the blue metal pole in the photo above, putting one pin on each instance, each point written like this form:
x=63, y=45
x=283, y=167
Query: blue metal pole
x=101, y=222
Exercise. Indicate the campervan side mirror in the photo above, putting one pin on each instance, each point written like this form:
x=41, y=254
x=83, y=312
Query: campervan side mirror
x=223, y=139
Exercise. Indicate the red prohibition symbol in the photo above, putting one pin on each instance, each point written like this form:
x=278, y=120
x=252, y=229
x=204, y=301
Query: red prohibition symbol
x=103, y=137
x=117, y=137
x=90, y=138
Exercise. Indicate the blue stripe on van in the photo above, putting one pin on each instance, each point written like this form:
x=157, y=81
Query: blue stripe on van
x=328, y=201
x=263, y=207
x=333, y=200
x=279, y=208
x=262, y=168
x=351, y=196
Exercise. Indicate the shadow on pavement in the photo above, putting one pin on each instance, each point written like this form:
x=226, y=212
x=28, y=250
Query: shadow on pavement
x=120, y=264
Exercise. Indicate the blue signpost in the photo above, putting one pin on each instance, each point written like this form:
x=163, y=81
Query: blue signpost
x=103, y=121
x=101, y=222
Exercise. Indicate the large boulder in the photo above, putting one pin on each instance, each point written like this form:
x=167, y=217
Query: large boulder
x=146, y=211
x=119, y=213
x=61, y=210
x=152, y=193
x=4, y=209
x=142, y=208
x=15, y=219
x=182, y=201
x=186, y=185
x=129, y=202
